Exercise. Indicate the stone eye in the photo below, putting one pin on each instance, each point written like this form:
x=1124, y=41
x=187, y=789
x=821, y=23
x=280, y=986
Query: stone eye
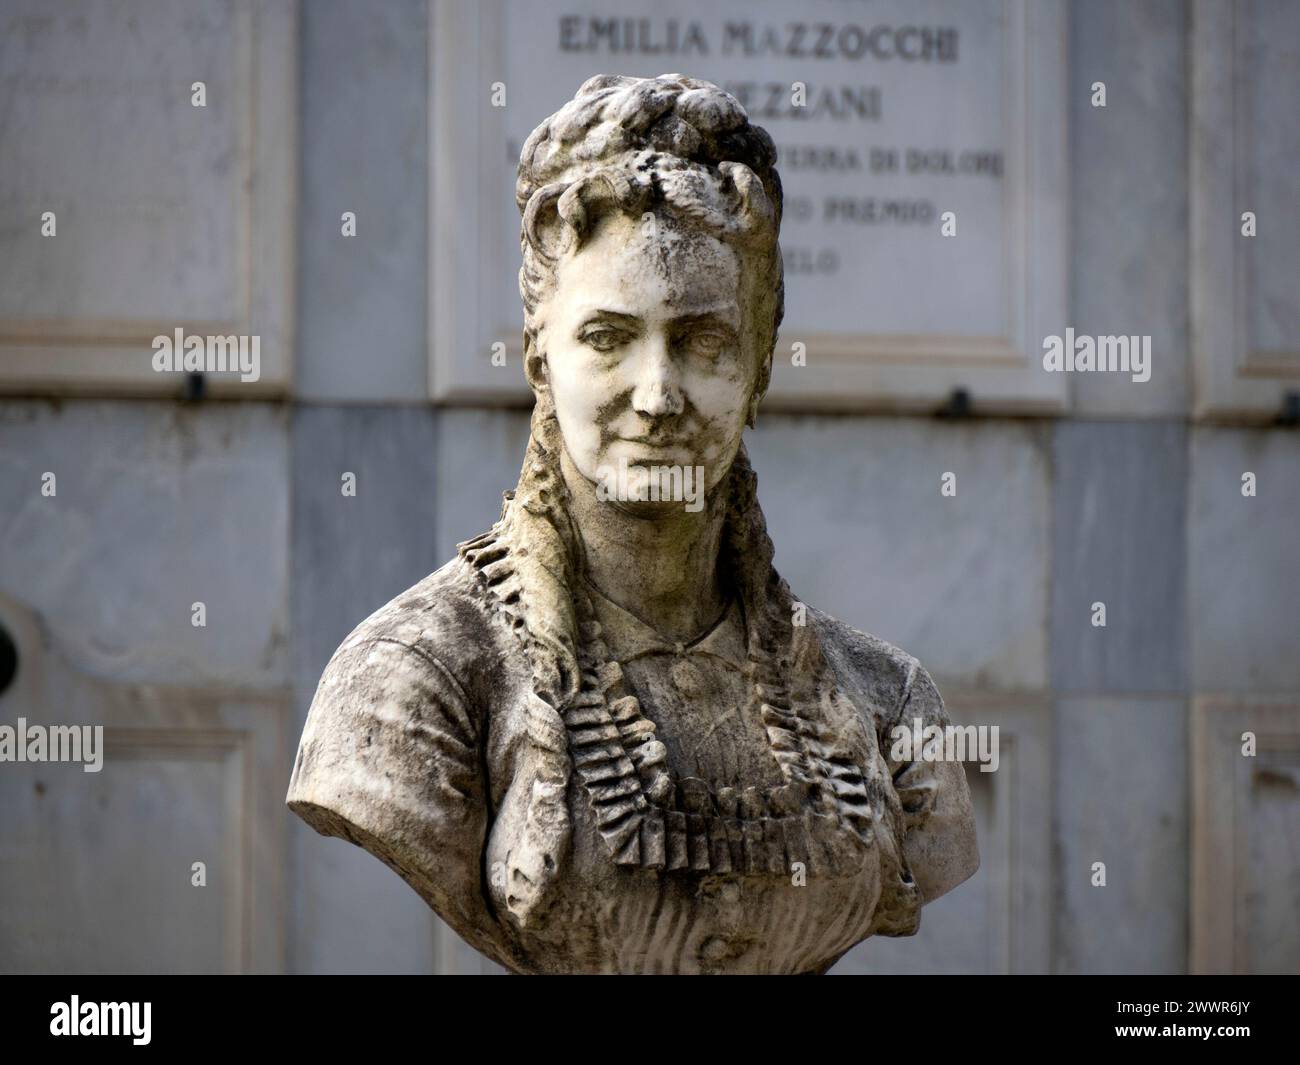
x=602, y=339
x=708, y=343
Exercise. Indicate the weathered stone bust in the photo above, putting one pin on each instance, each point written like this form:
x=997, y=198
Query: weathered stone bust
x=605, y=737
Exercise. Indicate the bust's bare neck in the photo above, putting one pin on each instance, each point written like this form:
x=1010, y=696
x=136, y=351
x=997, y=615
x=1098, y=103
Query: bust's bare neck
x=658, y=562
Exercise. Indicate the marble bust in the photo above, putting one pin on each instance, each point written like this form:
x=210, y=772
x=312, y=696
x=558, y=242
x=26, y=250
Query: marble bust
x=606, y=737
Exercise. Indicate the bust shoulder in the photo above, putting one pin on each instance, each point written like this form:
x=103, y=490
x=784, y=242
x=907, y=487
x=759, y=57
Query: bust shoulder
x=444, y=621
x=875, y=674
x=891, y=688
x=391, y=752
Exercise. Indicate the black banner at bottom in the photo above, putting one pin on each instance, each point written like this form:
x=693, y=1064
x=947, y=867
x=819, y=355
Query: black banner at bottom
x=879, y=1014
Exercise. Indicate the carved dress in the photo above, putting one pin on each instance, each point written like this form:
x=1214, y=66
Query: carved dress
x=768, y=832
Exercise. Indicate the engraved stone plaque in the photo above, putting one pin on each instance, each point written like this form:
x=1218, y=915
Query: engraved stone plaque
x=894, y=123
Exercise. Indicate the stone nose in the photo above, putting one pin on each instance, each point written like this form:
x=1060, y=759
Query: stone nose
x=657, y=391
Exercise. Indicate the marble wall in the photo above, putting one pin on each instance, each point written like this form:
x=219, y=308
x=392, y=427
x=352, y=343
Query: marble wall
x=1113, y=733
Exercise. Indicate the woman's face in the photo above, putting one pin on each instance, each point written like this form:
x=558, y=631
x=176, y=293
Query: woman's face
x=650, y=348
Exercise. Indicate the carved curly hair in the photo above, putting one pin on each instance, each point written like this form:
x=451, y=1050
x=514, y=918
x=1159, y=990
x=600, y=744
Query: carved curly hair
x=671, y=143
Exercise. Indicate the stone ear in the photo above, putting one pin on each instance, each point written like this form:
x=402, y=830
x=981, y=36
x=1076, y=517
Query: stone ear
x=534, y=365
